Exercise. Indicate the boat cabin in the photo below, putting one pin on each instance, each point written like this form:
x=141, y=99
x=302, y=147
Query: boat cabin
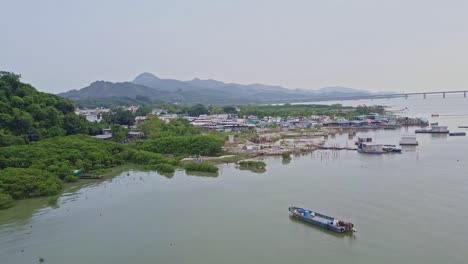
x=361, y=140
x=439, y=129
x=369, y=147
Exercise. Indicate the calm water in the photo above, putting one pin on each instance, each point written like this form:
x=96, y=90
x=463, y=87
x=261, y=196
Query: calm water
x=408, y=208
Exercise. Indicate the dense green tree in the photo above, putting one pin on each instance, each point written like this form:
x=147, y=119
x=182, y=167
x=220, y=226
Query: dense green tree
x=229, y=109
x=36, y=169
x=22, y=183
x=144, y=110
x=65, y=106
x=7, y=139
x=120, y=116
x=70, y=178
x=154, y=128
x=206, y=145
x=197, y=110
x=75, y=124
x=95, y=128
x=179, y=127
x=215, y=109
x=28, y=115
x=119, y=133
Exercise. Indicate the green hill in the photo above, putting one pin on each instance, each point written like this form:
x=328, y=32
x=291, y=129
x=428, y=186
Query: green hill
x=29, y=115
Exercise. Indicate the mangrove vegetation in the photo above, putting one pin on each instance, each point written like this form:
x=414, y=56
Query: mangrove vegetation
x=201, y=167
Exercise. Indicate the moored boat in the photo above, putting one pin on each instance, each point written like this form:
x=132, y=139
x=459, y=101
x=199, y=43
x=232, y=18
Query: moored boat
x=371, y=148
x=434, y=130
x=322, y=220
x=391, y=148
x=362, y=140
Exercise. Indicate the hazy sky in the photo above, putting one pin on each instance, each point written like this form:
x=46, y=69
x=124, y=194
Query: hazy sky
x=399, y=45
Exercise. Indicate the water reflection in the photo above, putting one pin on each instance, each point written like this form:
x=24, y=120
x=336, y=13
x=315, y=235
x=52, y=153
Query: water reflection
x=437, y=136
x=252, y=169
x=168, y=175
x=202, y=174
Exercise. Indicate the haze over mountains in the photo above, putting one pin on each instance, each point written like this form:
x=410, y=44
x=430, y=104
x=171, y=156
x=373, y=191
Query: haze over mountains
x=204, y=91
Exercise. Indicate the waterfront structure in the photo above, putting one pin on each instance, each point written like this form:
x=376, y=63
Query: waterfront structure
x=408, y=140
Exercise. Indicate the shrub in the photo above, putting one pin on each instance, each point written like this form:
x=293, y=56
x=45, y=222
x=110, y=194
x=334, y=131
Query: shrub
x=53, y=200
x=286, y=156
x=205, y=145
x=164, y=167
x=22, y=183
x=202, y=166
x=70, y=178
x=5, y=200
x=252, y=164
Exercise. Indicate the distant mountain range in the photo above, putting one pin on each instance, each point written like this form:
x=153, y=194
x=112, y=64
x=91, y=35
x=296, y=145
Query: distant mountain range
x=204, y=91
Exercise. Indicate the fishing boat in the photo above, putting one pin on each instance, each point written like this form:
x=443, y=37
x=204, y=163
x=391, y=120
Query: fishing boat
x=371, y=148
x=322, y=220
x=434, y=130
x=391, y=148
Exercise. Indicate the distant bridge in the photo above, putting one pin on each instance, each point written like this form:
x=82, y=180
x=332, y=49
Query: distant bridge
x=382, y=96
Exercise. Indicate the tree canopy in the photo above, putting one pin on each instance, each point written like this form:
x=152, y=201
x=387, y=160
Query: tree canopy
x=29, y=115
x=36, y=169
x=154, y=128
x=197, y=110
x=120, y=116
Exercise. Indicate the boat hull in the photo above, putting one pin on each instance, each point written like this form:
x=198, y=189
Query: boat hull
x=430, y=132
x=371, y=152
x=320, y=220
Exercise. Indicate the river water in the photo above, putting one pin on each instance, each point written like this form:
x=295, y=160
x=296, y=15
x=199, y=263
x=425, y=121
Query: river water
x=408, y=208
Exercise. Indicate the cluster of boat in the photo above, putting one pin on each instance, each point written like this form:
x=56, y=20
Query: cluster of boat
x=366, y=145
x=436, y=129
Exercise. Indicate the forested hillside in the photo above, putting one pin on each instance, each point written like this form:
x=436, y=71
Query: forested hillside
x=29, y=115
x=196, y=91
